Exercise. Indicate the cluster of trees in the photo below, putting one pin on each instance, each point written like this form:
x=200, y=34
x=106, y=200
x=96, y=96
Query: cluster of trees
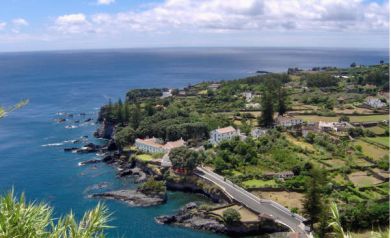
x=234, y=153
x=320, y=80
x=274, y=98
x=185, y=159
x=135, y=95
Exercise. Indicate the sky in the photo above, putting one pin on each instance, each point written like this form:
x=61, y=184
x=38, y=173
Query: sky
x=29, y=25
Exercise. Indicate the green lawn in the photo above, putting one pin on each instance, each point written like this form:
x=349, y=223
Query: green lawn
x=384, y=140
x=315, y=118
x=144, y=157
x=256, y=183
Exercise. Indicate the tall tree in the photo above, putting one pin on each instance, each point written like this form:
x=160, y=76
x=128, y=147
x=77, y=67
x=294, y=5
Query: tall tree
x=282, y=100
x=313, y=199
x=267, y=109
x=135, y=117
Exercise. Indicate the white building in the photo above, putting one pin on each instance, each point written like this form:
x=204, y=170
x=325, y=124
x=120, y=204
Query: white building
x=288, y=121
x=374, y=102
x=226, y=133
x=153, y=145
x=334, y=126
x=257, y=132
x=248, y=96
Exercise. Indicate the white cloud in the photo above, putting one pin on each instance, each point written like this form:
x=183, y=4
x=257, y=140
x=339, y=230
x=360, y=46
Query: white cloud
x=72, y=24
x=2, y=25
x=251, y=15
x=18, y=22
x=105, y=2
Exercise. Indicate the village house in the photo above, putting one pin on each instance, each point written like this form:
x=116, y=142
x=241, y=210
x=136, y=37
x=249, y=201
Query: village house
x=220, y=134
x=374, y=102
x=248, y=96
x=153, y=145
x=288, y=121
x=253, y=105
x=257, y=132
x=166, y=94
x=214, y=86
x=325, y=127
x=280, y=175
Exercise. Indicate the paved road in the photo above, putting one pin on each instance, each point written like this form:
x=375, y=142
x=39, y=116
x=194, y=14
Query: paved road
x=276, y=211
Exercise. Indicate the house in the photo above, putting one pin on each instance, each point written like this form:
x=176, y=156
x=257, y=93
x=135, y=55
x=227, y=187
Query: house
x=374, y=102
x=280, y=175
x=288, y=121
x=311, y=127
x=153, y=145
x=257, y=132
x=214, y=86
x=333, y=126
x=167, y=94
x=220, y=134
x=253, y=105
x=248, y=96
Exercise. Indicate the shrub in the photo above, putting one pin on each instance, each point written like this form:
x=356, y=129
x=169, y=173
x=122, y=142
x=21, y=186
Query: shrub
x=231, y=216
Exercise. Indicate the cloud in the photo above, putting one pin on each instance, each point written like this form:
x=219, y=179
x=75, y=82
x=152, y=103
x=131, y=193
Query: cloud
x=18, y=22
x=249, y=15
x=2, y=25
x=105, y=2
x=72, y=24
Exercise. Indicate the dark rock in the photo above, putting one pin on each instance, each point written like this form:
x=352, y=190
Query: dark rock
x=105, y=130
x=92, y=161
x=71, y=149
x=165, y=219
x=88, y=119
x=112, y=146
x=60, y=120
x=132, y=197
x=108, y=159
x=77, y=121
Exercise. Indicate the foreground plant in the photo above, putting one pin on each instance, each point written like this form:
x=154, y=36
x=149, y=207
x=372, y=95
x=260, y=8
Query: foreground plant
x=341, y=233
x=20, y=219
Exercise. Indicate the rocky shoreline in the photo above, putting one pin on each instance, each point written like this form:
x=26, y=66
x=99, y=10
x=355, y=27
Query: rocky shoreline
x=133, y=197
x=192, y=216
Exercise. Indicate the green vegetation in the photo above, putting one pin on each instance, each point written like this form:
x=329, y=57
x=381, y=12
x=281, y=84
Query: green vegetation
x=19, y=218
x=326, y=165
x=257, y=183
x=153, y=187
x=231, y=216
x=185, y=159
x=144, y=157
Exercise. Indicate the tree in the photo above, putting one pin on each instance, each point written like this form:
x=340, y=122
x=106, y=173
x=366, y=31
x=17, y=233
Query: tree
x=124, y=136
x=313, y=199
x=185, y=158
x=282, y=100
x=231, y=216
x=153, y=187
x=267, y=109
x=344, y=118
x=21, y=219
x=135, y=117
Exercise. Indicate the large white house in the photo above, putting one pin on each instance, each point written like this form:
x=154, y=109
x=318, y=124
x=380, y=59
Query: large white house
x=153, y=145
x=226, y=133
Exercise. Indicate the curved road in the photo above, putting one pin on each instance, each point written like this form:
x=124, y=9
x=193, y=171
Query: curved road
x=267, y=207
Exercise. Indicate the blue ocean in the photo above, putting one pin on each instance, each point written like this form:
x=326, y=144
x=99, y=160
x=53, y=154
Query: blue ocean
x=32, y=159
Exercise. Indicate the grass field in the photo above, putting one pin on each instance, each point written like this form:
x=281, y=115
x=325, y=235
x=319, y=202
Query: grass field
x=376, y=129
x=256, y=183
x=315, y=118
x=384, y=140
x=361, y=179
x=371, y=151
x=144, y=157
x=287, y=199
x=299, y=143
x=335, y=163
x=245, y=214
